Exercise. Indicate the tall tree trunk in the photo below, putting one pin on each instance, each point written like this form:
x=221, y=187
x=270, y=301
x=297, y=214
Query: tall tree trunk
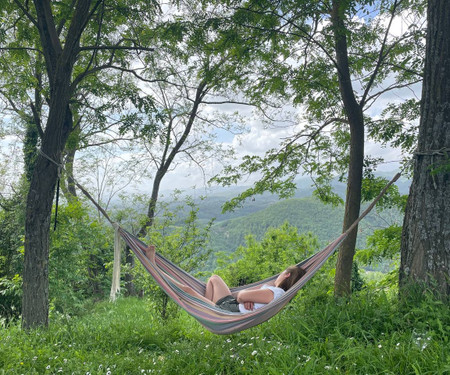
x=425, y=247
x=59, y=62
x=354, y=114
x=129, y=257
x=37, y=222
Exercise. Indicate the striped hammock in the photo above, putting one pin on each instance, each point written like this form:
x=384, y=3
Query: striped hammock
x=219, y=321
x=215, y=319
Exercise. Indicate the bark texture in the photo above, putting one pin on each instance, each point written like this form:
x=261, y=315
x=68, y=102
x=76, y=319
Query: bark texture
x=425, y=248
x=342, y=281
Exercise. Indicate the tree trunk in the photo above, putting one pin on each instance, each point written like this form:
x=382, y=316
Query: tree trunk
x=342, y=282
x=37, y=222
x=425, y=247
x=129, y=257
x=59, y=63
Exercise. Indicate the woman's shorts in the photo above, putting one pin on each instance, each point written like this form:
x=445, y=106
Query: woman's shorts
x=228, y=303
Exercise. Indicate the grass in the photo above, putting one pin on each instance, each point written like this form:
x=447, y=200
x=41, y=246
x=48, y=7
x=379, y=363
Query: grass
x=373, y=333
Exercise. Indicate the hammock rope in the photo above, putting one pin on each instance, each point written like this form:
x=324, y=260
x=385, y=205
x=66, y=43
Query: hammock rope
x=172, y=279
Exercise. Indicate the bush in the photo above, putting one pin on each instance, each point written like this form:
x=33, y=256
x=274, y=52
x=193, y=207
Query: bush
x=10, y=298
x=279, y=248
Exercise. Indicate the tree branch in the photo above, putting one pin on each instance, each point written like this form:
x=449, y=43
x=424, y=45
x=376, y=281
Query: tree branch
x=25, y=11
x=21, y=49
x=98, y=48
x=381, y=55
x=37, y=120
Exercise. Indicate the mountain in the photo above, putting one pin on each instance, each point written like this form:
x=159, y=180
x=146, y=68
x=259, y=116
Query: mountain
x=307, y=214
x=304, y=211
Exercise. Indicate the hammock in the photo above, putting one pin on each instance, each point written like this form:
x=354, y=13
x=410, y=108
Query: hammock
x=215, y=319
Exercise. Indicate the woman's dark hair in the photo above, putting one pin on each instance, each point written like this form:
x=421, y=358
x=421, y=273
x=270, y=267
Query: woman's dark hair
x=296, y=273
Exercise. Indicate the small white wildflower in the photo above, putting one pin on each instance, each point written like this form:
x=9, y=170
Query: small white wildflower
x=380, y=346
x=48, y=367
x=108, y=372
x=398, y=344
x=34, y=358
x=254, y=352
x=242, y=362
x=231, y=355
x=228, y=340
x=177, y=351
x=327, y=367
x=207, y=346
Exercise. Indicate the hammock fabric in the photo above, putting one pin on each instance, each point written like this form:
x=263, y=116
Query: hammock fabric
x=214, y=319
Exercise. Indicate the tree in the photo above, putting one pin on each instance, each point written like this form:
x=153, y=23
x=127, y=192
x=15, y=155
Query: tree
x=425, y=246
x=335, y=59
x=76, y=40
x=184, y=82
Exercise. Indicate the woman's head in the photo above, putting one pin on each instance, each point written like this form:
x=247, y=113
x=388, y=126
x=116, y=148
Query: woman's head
x=289, y=277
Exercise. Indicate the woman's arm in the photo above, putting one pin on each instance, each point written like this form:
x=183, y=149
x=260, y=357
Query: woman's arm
x=255, y=295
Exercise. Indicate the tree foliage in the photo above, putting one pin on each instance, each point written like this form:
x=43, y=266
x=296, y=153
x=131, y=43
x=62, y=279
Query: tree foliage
x=299, y=62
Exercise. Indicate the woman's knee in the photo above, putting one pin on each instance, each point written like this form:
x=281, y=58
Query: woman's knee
x=216, y=279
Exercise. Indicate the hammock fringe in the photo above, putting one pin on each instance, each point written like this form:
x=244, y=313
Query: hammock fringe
x=115, y=285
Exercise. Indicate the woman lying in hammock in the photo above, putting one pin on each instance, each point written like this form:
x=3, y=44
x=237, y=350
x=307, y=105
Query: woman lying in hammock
x=251, y=299
x=218, y=293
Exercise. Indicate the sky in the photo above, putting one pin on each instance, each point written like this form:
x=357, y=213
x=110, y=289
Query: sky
x=256, y=141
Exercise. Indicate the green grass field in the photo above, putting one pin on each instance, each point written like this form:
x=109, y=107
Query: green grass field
x=373, y=333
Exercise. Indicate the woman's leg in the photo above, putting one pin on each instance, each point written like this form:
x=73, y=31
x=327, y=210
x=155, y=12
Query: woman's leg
x=216, y=289
x=150, y=253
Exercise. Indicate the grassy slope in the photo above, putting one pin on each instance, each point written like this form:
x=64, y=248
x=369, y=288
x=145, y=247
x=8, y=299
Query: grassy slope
x=371, y=334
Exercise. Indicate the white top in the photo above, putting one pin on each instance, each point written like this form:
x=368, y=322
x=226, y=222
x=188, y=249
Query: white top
x=277, y=293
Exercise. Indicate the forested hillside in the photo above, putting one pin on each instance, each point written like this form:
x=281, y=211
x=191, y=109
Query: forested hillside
x=307, y=214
